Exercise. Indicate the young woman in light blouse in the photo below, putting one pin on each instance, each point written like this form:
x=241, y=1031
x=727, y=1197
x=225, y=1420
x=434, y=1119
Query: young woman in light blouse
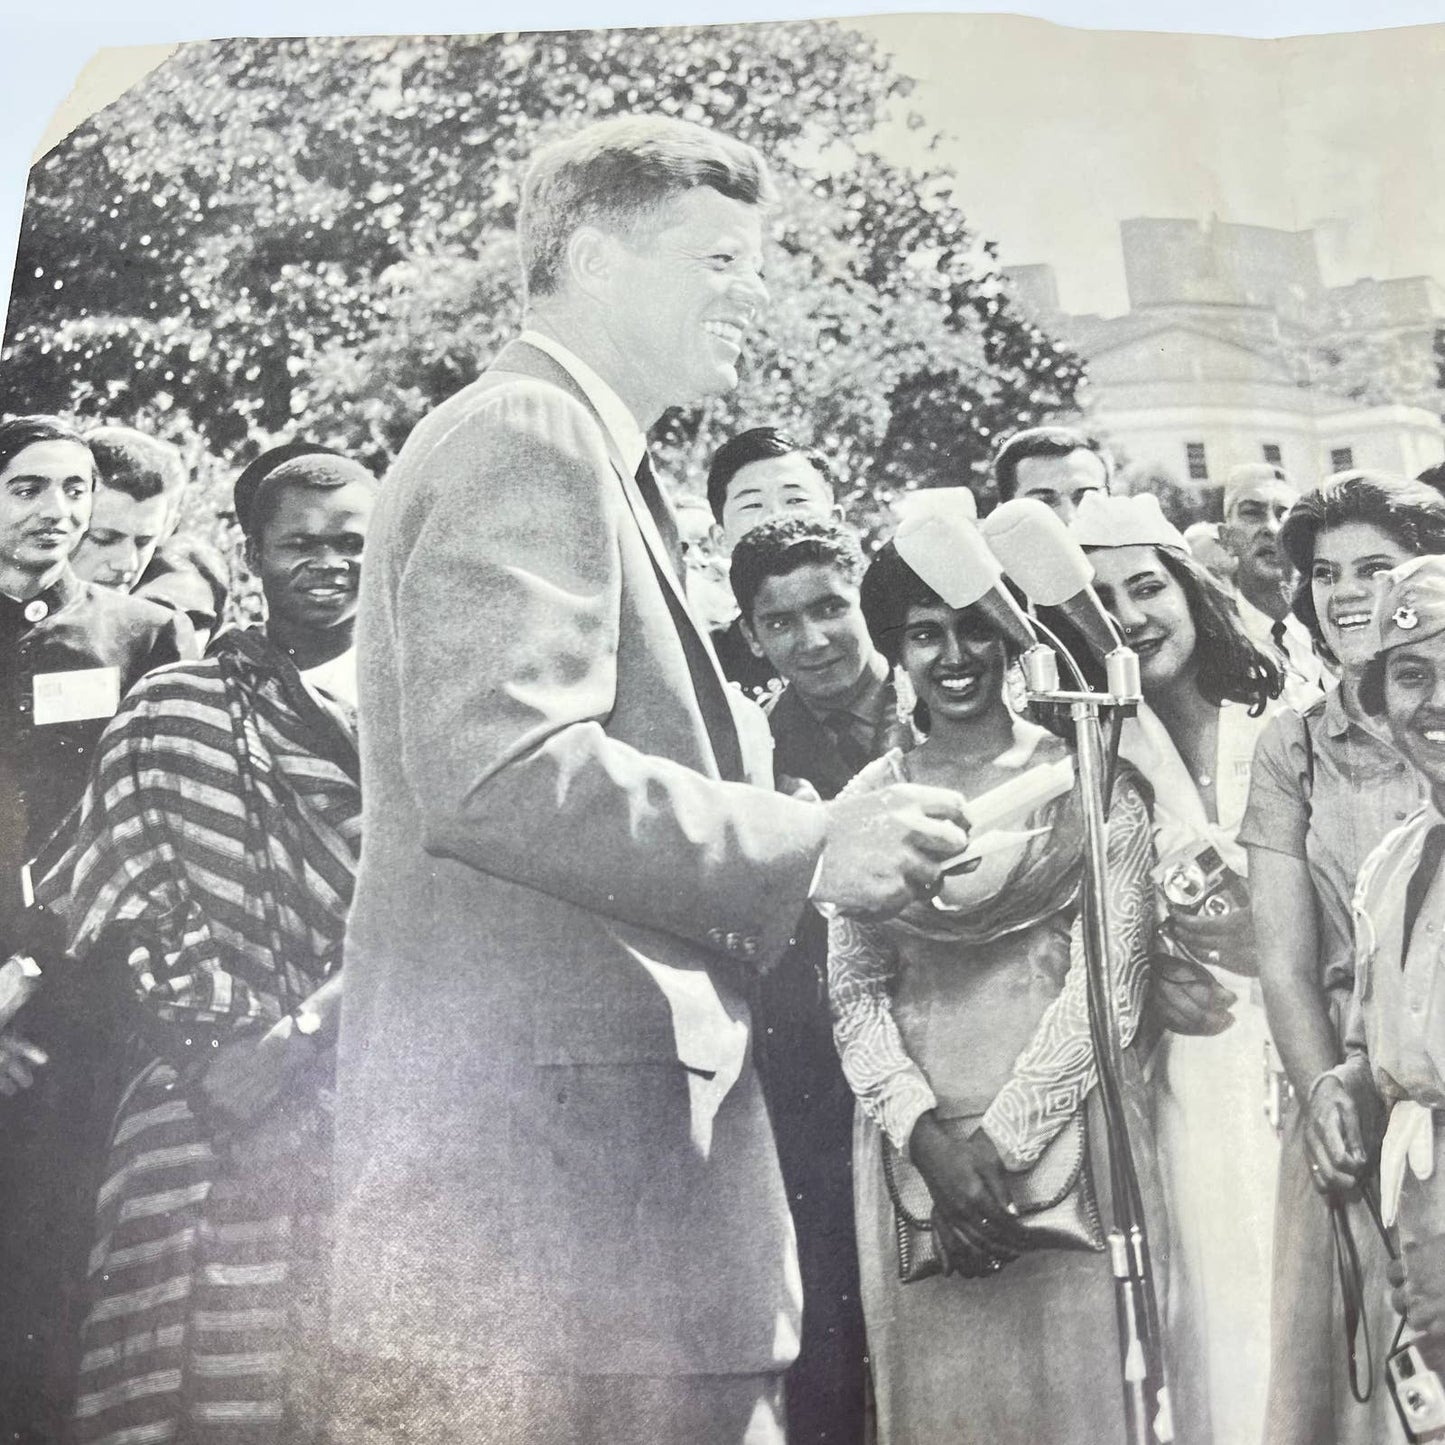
x=1328, y=785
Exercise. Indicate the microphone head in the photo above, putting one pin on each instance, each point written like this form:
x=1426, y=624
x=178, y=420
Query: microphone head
x=941, y=543
x=936, y=501
x=1036, y=551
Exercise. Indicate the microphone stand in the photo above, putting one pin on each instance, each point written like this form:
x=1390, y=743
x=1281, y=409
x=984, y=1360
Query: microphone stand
x=1147, y=1409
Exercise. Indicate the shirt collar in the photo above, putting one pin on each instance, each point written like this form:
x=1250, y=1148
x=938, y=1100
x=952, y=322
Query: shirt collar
x=611, y=410
x=1256, y=623
x=49, y=600
x=1337, y=720
x=867, y=707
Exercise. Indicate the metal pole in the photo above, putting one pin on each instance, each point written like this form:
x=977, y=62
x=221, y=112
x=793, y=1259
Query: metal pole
x=1140, y=1350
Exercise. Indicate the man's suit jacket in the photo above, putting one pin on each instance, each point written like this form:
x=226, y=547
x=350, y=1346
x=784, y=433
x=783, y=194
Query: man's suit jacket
x=552, y=1153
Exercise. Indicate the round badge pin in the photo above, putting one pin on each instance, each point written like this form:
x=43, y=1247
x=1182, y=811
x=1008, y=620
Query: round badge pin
x=1405, y=618
x=36, y=611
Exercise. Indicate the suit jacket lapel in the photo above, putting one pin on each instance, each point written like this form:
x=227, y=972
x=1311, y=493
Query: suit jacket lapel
x=709, y=684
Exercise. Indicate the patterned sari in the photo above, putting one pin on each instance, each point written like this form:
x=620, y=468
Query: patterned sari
x=981, y=1014
x=212, y=868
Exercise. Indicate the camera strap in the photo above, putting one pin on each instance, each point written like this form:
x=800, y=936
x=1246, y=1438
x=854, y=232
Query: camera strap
x=1352, y=1289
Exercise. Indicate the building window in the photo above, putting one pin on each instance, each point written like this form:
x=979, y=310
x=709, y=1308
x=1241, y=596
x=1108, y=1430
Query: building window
x=1342, y=459
x=1198, y=466
x=1272, y=454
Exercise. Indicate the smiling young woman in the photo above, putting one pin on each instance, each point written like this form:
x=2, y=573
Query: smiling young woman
x=1327, y=787
x=963, y=1030
x=1205, y=688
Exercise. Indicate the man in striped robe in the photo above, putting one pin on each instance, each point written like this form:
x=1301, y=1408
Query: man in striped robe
x=211, y=874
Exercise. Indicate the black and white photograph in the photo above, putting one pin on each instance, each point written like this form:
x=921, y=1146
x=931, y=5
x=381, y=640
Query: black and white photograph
x=726, y=734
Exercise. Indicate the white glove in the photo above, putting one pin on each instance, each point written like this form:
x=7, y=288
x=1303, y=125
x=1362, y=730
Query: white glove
x=1410, y=1138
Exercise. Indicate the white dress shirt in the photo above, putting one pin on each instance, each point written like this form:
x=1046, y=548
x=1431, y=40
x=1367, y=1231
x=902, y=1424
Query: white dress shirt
x=1306, y=678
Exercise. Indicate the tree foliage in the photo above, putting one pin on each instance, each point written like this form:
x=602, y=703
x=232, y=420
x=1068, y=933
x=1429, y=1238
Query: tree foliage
x=271, y=237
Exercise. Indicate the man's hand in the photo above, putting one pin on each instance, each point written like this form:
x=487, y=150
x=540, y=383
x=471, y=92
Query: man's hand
x=1225, y=940
x=1334, y=1136
x=18, y=1062
x=799, y=788
x=969, y=1186
x=882, y=850
x=1186, y=998
x=250, y=1073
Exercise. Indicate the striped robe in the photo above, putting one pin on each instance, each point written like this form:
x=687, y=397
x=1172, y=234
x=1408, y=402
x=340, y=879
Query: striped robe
x=206, y=1306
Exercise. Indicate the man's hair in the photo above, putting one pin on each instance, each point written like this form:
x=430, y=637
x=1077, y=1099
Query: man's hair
x=1411, y=514
x=1240, y=478
x=616, y=175
x=141, y=466
x=781, y=546
x=314, y=472
x=19, y=432
x=760, y=444
x=1042, y=441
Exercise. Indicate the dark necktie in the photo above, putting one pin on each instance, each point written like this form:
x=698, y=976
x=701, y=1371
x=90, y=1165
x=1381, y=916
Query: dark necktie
x=661, y=513
x=1419, y=884
x=1276, y=631
x=844, y=728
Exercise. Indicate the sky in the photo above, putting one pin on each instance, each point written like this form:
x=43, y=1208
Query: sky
x=1058, y=134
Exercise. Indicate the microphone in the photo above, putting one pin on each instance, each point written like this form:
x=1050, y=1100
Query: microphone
x=1038, y=553
x=943, y=546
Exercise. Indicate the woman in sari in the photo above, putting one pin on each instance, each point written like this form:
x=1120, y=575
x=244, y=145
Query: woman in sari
x=212, y=871
x=1328, y=785
x=963, y=1029
x=1206, y=689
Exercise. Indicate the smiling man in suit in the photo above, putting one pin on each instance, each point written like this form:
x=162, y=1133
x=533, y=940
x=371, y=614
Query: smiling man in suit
x=559, y=1214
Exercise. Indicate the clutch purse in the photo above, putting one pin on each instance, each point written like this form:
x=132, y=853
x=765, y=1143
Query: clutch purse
x=1057, y=1205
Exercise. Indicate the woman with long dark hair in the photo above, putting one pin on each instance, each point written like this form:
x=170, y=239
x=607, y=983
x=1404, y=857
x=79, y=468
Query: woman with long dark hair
x=1206, y=691
x=963, y=1029
x=1327, y=786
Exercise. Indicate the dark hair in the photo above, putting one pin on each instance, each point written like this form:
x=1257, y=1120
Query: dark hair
x=760, y=444
x=1372, y=686
x=249, y=484
x=890, y=587
x=1410, y=513
x=1434, y=477
x=1042, y=441
x=19, y=432
x=616, y=174
x=129, y=461
x=1230, y=668
x=784, y=544
x=317, y=472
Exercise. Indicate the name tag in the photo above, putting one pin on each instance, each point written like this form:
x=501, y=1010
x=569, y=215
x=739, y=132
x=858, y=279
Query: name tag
x=85, y=692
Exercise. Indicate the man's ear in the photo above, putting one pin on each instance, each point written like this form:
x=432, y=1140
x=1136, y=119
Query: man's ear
x=252, y=555
x=591, y=253
x=754, y=646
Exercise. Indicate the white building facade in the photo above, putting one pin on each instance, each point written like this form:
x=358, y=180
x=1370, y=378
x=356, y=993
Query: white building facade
x=1208, y=369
